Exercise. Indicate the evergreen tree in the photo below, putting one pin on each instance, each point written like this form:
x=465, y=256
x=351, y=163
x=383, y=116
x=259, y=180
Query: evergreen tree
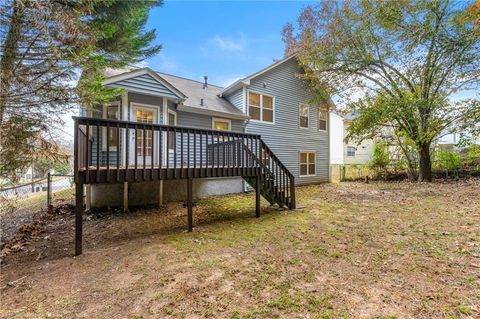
x=51, y=57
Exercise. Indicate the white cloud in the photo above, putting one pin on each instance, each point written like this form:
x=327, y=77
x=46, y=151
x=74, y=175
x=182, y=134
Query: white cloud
x=164, y=63
x=231, y=44
x=141, y=64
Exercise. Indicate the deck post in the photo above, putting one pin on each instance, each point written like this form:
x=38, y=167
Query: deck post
x=125, y=196
x=257, y=196
x=190, y=204
x=160, y=193
x=88, y=199
x=78, y=218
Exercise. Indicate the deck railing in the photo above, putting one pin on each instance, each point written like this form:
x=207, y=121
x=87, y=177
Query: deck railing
x=144, y=148
x=121, y=151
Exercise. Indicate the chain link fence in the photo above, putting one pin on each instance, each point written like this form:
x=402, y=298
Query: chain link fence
x=21, y=204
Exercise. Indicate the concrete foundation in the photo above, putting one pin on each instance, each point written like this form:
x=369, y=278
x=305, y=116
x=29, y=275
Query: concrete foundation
x=148, y=193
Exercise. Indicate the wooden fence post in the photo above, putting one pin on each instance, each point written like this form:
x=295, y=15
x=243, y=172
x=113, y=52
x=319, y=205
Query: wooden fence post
x=78, y=218
x=190, y=204
x=49, y=189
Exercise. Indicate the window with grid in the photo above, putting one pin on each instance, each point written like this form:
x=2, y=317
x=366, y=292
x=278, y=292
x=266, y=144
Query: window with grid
x=112, y=112
x=303, y=115
x=307, y=163
x=322, y=120
x=351, y=151
x=260, y=107
x=144, y=116
x=172, y=120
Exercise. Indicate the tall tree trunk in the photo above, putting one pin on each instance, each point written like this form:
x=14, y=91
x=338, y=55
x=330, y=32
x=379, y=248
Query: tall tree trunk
x=9, y=53
x=425, y=174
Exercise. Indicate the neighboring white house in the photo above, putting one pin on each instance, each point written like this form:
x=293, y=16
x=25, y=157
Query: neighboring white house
x=356, y=153
x=336, y=139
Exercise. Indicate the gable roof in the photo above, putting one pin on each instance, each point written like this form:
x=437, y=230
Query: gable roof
x=188, y=93
x=246, y=80
x=150, y=82
x=212, y=103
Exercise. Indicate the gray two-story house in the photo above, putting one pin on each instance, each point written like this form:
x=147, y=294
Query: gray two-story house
x=271, y=109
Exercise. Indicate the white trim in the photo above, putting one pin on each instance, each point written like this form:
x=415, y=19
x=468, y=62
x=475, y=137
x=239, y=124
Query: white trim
x=244, y=99
x=308, y=163
x=308, y=116
x=174, y=113
x=261, y=107
x=124, y=116
x=142, y=71
x=222, y=120
x=156, y=111
x=326, y=120
x=171, y=150
x=104, y=129
x=164, y=109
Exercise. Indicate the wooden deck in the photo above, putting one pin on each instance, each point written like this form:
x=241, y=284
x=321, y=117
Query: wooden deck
x=103, y=174
x=173, y=152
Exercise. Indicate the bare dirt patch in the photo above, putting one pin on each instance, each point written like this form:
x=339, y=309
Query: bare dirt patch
x=378, y=250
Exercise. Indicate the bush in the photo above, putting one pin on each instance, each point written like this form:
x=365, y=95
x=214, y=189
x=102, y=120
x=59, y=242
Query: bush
x=381, y=155
x=473, y=156
x=448, y=160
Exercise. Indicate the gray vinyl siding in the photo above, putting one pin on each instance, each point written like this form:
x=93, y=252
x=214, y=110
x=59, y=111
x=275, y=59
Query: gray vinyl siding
x=97, y=139
x=150, y=101
x=236, y=98
x=204, y=121
x=284, y=137
x=200, y=121
x=144, y=84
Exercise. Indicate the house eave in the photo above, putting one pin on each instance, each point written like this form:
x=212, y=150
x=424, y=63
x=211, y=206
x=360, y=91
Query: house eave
x=110, y=81
x=198, y=110
x=246, y=81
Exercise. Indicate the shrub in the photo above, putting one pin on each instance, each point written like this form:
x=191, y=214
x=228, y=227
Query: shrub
x=448, y=160
x=473, y=156
x=381, y=155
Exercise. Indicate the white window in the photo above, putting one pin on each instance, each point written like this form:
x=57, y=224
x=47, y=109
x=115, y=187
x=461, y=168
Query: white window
x=221, y=124
x=307, y=163
x=351, y=150
x=112, y=112
x=260, y=107
x=171, y=120
x=303, y=115
x=322, y=120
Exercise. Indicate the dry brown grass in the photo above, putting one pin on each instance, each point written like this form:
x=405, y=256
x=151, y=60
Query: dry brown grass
x=380, y=250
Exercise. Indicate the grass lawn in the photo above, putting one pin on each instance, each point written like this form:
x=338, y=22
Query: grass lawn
x=379, y=250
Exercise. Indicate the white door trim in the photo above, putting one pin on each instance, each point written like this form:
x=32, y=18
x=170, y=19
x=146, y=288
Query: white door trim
x=149, y=107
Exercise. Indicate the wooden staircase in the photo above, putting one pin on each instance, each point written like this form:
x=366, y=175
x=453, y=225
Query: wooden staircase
x=173, y=152
x=277, y=184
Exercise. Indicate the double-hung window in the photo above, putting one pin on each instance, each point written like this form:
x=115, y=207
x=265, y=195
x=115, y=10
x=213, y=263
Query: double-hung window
x=172, y=120
x=260, y=107
x=303, y=115
x=307, y=163
x=322, y=120
x=351, y=150
x=112, y=112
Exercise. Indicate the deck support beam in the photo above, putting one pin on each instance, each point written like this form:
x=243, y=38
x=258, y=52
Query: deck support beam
x=88, y=198
x=125, y=196
x=78, y=218
x=257, y=196
x=160, y=193
x=190, y=204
